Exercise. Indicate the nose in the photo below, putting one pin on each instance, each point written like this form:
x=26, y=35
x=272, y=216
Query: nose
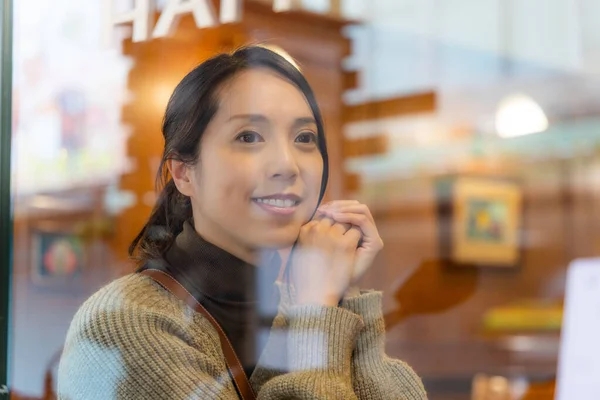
x=283, y=163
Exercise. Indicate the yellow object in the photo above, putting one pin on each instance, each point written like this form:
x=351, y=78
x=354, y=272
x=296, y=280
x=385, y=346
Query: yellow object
x=524, y=318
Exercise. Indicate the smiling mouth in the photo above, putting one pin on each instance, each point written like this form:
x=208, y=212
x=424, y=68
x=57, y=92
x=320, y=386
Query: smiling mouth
x=281, y=203
x=278, y=204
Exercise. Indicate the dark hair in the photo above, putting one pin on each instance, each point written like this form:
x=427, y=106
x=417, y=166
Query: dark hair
x=191, y=107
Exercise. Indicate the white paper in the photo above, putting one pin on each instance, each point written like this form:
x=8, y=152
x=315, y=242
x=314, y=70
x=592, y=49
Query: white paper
x=579, y=359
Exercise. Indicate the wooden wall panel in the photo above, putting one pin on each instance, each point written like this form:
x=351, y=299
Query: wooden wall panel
x=368, y=146
x=394, y=107
x=351, y=80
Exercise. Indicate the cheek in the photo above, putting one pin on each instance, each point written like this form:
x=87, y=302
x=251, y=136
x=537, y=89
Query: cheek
x=223, y=187
x=313, y=174
x=312, y=177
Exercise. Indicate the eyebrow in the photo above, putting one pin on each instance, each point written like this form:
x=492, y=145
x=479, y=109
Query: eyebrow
x=304, y=121
x=263, y=119
x=249, y=117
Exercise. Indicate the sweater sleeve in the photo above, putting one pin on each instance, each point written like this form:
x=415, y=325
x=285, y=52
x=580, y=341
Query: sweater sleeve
x=375, y=375
x=126, y=352
x=318, y=347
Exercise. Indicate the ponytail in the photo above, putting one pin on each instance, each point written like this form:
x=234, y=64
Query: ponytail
x=166, y=221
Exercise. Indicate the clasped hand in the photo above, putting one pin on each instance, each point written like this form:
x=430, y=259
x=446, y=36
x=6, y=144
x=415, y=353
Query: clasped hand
x=334, y=250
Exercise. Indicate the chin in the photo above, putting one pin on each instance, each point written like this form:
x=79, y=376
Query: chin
x=278, y=239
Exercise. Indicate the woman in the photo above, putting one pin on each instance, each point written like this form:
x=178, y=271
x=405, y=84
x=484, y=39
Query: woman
x=244, y=170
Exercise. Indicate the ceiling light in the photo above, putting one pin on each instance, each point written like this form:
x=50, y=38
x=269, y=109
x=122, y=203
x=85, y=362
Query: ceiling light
x=519, y=115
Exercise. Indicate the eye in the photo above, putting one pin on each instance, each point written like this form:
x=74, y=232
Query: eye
x=249, y=137
x=306, y=137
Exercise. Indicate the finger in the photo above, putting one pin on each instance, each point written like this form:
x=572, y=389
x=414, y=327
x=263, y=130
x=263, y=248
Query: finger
x=308, y=225
x=341, y=202
x=341, y=229
x=354, y=235
x=349, y=208
x=306, y=229
x=337, y=203
x=361, y=221
x=319, y=216
x=323, y=225
x=324, y=222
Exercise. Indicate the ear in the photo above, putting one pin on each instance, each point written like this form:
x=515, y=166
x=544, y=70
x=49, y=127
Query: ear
x=182, y=176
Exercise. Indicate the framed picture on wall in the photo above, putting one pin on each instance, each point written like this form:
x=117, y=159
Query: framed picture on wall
x=480, y=221
x=58, y=256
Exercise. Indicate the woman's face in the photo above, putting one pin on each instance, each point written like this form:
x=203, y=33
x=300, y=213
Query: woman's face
x=259, y=172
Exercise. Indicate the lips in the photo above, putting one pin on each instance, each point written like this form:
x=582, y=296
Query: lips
x=280, y=204
x=277, y=202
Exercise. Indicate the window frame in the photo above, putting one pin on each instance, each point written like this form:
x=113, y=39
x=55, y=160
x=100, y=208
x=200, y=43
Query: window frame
x=6, y=223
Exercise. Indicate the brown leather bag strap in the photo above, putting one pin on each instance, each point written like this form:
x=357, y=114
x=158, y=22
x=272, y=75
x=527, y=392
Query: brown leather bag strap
x=233, y=363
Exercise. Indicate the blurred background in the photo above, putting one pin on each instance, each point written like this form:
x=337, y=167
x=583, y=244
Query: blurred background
x=470, y=127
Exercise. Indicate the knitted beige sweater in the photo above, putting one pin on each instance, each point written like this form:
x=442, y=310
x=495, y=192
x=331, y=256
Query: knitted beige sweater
x=134, y=340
